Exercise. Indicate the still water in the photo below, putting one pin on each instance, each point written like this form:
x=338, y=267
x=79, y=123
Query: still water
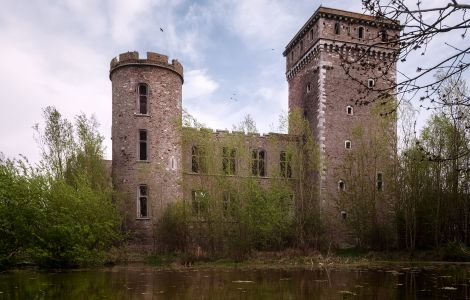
x=397, y=281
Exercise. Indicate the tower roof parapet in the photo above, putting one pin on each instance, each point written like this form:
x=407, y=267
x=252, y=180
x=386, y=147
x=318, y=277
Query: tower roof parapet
x=153, y=59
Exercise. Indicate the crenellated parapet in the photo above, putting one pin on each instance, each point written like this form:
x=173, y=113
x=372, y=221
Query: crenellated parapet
x=152, y=59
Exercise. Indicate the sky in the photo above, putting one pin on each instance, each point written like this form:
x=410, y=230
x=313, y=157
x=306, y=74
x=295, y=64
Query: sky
x=57, y=53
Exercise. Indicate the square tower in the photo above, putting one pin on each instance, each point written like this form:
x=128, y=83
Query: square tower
x=339, y=66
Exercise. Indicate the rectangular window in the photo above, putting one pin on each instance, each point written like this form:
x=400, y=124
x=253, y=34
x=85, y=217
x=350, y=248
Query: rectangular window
x=142, y=144
x=285, y=164
x=301, y=46
x=143, y=97
x=200, y=202
x=142, y=204
x=229, y=203
x=229, y=156
x=258, y=163
x=379, y=181
x=198, y=159
x=311, y=34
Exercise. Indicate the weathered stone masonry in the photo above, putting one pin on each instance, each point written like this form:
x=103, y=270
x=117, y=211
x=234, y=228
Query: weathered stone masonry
x=318, y=86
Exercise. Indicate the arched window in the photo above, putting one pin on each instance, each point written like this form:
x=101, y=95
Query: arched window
x=349, y=110
x=361, y=32
x=347, y=144
x=370, y=83
x=173, y=164
x=337, y=28
x=143, y=98
x=341, y=185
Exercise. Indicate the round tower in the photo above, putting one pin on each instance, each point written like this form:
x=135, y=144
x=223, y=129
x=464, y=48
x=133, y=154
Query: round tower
x=146, y=139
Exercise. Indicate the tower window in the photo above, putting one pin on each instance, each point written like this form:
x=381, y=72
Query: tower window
x=349, y=110
x=308, y=87
x=341, y=185
x=258, y=162
x=379, y=181
x=311, y=34
x=361, y=32
x=142, y=144
x=198, y=159
x=301, y=45
x=285, y=166
x=142, y=202
x=370, y=83
x=173, y=164
x=229, y=160
x=383, y=35
x=337, y=28
x=292, y=55
x=347, y=144
x=143, y=98
x=343, y=215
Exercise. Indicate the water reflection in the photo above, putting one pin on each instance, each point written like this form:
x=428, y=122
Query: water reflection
x=140, y=282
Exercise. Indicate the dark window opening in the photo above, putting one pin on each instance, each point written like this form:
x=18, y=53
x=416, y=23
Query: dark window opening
x=361, y=32
x=349, y=110
x=198, y=159
x=142, y=209
x=371, y=83
x=143, y=99
x=344, y=214
x=285, y=164
x=308, y=88
x=347, y=144
x=258, y=163
x=341, y=185
x=142, y=144
x=383, y=35
x=379, y=181
x=229, y=156
x=301, y=45
x=311, y=34
x=337, y=28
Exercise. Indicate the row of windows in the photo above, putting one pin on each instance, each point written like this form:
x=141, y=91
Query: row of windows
x=379, y=183
x=229, y=161
x=370, y=84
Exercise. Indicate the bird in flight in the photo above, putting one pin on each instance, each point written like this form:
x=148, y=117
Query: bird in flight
x=161, y=29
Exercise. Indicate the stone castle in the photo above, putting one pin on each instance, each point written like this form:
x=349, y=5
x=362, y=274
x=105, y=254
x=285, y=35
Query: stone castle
x=152, y=164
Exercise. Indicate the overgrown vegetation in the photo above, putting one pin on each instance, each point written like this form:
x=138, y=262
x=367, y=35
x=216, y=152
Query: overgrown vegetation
x=59, y=213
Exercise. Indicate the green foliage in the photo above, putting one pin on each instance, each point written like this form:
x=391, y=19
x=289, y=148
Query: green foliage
x=60, y=214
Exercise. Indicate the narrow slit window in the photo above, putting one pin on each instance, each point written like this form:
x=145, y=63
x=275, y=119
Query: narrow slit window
x=341, y=185
x=173, y=163
x=380, y=183
x=370, y=83
x=229, y=156
x=384, y=35
x=285, y=164
x=258, y=163
x=311, y=34
x=142, y=144
x=143, y=99
x=142, y=204
x=347, y=144
x=349, y=110
x=361, y=32
x=301, y=45
x=337, y=28
x=308, y=87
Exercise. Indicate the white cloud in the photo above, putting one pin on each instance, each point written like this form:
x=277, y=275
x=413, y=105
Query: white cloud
x=197, y=84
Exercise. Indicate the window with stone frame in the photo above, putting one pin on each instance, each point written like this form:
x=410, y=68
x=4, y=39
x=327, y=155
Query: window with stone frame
x=198, y=159
x=258, y=162
x=285, y=164
x=337, y=28
x=229, y=203
x=143, y=98
x=379, y=181
x=349, y=110
x=229, y=159
x=361, y=32
x=142, y=202
x=143, y=155
x=370, y=83
x=347, y=144
x=199, y=203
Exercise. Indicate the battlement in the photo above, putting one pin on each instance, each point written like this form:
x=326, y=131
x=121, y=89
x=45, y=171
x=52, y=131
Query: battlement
x=152, y=59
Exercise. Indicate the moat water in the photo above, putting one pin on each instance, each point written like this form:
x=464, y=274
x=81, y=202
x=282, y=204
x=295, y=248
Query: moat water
x=396, y=281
